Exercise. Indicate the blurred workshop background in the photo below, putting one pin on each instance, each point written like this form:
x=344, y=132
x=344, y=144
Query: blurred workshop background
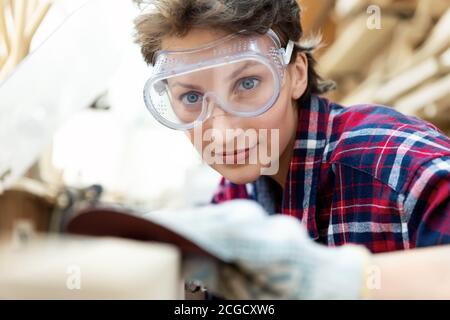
x=74, y=129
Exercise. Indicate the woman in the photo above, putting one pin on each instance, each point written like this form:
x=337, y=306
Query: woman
x=235, y=77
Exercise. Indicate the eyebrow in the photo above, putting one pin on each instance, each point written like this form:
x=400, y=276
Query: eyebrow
x=233, y=75
x=237, y=72
x=186, y=86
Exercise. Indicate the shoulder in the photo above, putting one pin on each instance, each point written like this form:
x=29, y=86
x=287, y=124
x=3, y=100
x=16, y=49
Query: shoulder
x=384, y=143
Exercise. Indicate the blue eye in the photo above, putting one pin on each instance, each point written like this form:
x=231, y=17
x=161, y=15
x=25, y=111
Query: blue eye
x=248, y=83
x=191, y=97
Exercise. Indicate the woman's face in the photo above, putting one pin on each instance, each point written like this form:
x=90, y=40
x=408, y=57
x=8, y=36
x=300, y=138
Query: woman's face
x=242, y=149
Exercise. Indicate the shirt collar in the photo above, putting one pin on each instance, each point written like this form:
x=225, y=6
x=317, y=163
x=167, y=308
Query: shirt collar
x=300, y=190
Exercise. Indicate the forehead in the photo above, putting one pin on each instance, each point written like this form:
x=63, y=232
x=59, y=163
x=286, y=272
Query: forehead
x=194, y=38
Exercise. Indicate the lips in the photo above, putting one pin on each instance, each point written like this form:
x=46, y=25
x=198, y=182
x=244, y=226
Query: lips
x=235, y=152
x=235, y=156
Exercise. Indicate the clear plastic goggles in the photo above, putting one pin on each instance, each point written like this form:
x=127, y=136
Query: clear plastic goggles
x=242, y=74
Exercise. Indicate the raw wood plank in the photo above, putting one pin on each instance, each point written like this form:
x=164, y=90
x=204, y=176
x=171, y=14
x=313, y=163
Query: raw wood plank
x=426, y=95
x=413, y=78
x=356, y=46
x=19, y=39
x=439, y=39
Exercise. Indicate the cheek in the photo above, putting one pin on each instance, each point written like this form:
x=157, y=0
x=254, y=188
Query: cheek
x=282, y=117
x=280, y=113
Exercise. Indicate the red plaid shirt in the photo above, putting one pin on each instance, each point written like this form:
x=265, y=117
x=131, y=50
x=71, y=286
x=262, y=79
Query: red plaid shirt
x=364, y=174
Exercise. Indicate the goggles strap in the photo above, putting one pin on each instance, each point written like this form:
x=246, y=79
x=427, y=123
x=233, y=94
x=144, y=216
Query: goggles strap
x=287, y=53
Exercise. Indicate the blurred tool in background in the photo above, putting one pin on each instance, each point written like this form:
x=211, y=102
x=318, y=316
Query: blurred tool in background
x=70, y=65
x=46, y=89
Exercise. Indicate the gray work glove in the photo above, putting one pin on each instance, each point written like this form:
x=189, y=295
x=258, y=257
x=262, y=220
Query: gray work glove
x=265, y=257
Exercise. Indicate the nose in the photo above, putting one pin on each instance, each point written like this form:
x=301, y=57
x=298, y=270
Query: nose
x=217, y=116
x=219, y=121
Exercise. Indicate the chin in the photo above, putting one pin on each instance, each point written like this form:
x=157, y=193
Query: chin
x=239, y=174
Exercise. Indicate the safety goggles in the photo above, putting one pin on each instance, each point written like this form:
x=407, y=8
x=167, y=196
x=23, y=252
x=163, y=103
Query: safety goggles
x=240, y=73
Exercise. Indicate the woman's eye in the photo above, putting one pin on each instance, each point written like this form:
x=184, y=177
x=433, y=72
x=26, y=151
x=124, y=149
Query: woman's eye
x=191, y=98
x=248, y=83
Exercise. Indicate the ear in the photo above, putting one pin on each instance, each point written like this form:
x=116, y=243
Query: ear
x=299, y=76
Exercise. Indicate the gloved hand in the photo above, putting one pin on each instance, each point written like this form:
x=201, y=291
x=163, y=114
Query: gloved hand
x=266, y=257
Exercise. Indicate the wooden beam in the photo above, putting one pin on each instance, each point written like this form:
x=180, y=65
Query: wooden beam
x=3, y=28
x=20, y=16
x=36, y=19
x=413, y=78
x=356, y=46
x=23, y=32
x=33, y=4
x=438, y=40
x=426, y=95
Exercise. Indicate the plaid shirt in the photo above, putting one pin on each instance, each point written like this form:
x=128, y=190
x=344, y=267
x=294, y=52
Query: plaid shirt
x=364, y=174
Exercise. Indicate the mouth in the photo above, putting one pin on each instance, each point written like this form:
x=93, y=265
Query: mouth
x=237, y=156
